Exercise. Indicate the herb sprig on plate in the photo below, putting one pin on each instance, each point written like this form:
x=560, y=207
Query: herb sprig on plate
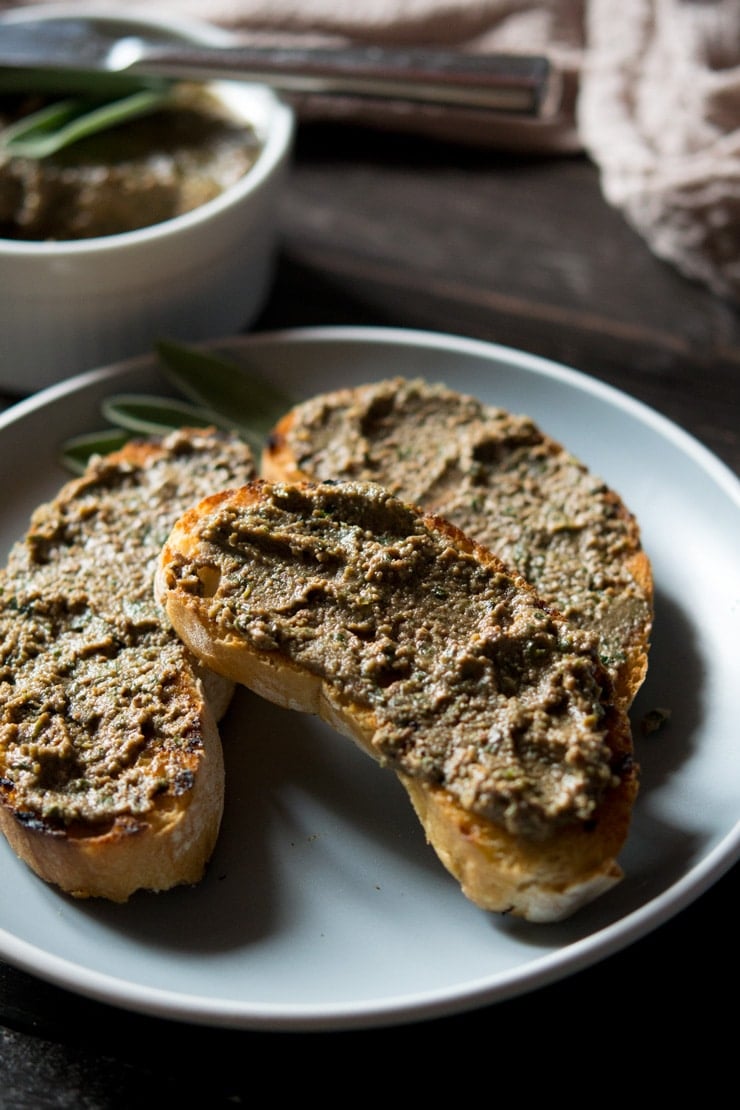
x=214, y=391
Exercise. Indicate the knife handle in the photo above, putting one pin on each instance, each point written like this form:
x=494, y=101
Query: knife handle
x=509, y=84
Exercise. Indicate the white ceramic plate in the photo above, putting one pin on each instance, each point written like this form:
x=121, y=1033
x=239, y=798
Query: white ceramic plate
x=323, y=907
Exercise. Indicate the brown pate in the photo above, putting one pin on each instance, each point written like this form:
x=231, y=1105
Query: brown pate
x=137, y=174
x=497, y=477
x=92, y=720
x=476, y=686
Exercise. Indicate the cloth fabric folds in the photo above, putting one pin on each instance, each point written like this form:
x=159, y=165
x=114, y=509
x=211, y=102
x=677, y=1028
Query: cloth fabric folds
x=659, y=113
x=651, y=92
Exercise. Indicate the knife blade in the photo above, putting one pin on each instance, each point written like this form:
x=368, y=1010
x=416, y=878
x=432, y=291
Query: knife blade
x=499, y=83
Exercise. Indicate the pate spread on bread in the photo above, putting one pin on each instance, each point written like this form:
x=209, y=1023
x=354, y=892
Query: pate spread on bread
x=393, y=626
x=501, y=480
x=111, y=770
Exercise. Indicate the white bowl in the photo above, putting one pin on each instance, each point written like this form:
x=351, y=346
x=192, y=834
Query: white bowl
x=71, y=306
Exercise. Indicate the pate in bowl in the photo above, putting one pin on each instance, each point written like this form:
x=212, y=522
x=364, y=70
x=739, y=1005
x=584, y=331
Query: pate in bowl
x=102, y=255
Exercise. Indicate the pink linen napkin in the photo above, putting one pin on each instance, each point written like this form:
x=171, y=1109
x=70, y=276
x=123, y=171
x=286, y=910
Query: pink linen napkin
x=651, y=92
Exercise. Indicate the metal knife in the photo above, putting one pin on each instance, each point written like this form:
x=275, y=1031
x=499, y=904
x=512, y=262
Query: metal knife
x=499, y=83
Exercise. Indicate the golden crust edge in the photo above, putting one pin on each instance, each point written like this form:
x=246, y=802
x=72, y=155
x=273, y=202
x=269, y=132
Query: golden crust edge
x=167, y=846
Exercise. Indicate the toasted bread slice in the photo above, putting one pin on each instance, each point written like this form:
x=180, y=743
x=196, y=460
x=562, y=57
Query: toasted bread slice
x=340, y=600
x=501, y=480
x=111, y=770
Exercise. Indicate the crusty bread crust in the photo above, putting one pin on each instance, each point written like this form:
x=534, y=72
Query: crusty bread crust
x=542, y=877
x=168, y=846
x=55, y=713
x=378, y=436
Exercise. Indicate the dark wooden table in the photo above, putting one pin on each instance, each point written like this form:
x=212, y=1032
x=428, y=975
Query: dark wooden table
x=385, y=230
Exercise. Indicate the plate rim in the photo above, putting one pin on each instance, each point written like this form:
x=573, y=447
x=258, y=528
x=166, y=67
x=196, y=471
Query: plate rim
x=370, y=334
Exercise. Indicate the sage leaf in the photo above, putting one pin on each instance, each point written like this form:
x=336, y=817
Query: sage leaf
x=79, y=83
x=150, y=415
x=219, y=392
x=64, y=122
x=77, y=451
x=238, y=396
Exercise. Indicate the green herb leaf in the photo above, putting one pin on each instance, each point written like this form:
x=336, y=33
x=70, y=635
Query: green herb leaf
x=67, y=121
x=240, y=398
x=219, y=391
x=76, y=82
x=77, y=452
x=148, y=415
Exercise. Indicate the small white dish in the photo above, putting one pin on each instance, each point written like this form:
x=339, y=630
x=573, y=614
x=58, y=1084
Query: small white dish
x=68, y=306
x=323, y=907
